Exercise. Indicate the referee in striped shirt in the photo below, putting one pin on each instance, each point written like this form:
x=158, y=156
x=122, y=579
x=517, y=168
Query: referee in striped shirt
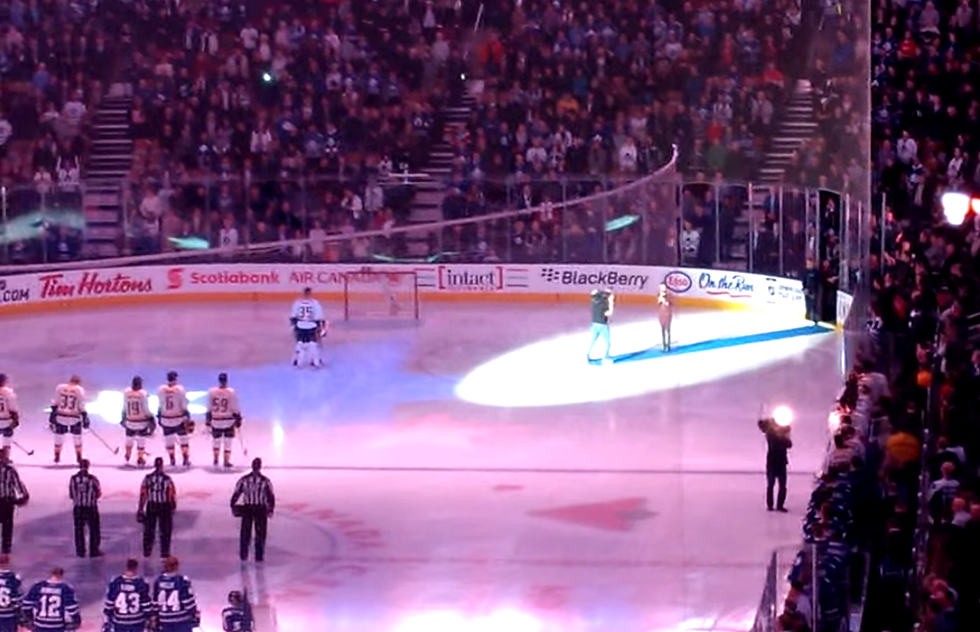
x=158, y=500
x=12, y=494
x=258, y=502
x=84, y=490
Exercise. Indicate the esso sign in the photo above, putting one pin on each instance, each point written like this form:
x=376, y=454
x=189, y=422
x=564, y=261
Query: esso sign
x=678, y=282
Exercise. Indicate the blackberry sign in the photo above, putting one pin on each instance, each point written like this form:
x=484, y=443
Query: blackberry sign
x=595, y=278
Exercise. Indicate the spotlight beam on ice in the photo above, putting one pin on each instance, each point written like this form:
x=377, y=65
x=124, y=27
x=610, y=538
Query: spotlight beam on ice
x=708, y=346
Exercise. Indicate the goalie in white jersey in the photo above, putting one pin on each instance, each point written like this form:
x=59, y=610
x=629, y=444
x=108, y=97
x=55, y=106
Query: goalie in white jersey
x=224, y=417
x=175, y=420
x=9, y=415
x=137, y=420
x=308, y=325
x=68, y=416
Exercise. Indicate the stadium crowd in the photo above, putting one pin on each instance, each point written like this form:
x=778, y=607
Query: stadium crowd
x=263, y=122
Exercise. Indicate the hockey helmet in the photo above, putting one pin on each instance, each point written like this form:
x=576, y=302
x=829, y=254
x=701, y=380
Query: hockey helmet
x=235, y=597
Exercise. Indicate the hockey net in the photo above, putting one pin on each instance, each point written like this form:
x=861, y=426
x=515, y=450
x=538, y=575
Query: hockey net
x=376, y=294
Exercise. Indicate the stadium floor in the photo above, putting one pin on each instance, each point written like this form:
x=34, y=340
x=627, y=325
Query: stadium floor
x=469, y=473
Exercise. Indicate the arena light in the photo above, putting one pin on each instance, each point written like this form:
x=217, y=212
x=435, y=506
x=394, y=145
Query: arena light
x=833, y=421
x=432, y=621
x=955, y=207
x=109, y=404
x=783, y=416
x=554, y=372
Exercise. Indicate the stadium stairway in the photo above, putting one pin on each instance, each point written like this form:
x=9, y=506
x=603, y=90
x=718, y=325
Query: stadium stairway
x=430, y=185
x=109, y=162
x=799, y=124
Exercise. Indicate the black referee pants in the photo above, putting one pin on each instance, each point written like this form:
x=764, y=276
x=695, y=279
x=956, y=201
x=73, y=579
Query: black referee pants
x=164, y=514
x=6, y=524
x=253, y=516
x=87, y=517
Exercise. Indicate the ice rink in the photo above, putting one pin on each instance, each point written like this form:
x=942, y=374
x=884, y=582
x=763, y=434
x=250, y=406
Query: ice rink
x=469, y=473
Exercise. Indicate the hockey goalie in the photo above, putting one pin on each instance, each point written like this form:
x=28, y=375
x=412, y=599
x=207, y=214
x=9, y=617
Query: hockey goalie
x=309, y=327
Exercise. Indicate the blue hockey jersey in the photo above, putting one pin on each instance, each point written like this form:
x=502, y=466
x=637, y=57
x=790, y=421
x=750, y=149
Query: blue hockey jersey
x=52, y=607
x=127, y=603
x=10, y=596
x=174, y=601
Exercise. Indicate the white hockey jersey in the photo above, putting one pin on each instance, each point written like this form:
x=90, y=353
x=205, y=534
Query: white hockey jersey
x=136, y=409
x=308, y=313
x=69, y=404
x=223, y=407
x=173, y=405
x=8, y=406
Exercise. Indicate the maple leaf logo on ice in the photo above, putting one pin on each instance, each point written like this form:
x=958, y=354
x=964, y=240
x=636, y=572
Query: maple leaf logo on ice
x=109, y=404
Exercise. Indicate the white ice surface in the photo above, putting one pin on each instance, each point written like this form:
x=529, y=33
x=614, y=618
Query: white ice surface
x=403, y=507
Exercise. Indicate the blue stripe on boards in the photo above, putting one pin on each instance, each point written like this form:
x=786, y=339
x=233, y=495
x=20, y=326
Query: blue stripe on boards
x=716, y=343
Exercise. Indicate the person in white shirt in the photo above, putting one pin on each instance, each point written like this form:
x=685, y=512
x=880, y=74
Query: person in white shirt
x=224, y=417
x=137, y=420
x=6, y=131
x=906, y=148
x=307, y=320
x=9, y=415
x=150, y=211
x=68, y=416
x=228, y=235
x=628, y=156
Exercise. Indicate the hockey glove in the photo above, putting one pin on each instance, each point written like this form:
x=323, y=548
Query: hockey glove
x=14, y=419
x=150, y=429
x=207, y=419
x=23, y=500
x=140, y=517
x=238, y=421
x=189, y=426
x=85, y=422
x=53, y=417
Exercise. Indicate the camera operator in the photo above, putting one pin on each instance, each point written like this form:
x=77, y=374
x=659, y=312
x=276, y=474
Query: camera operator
x=778, y=445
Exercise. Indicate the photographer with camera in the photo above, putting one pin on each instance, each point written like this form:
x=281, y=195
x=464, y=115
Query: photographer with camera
x=777, y=458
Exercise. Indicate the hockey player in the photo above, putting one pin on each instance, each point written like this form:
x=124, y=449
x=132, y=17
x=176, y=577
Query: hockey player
x=68, y=416
x=175, y=420
x=307, y=320
x=224, y=417
x=666, y=314
x=128, y=604
x=10, y=587
x=137, y=420
x=175, y=607
x=237, y=615
x=9, y=415
x=50, y=605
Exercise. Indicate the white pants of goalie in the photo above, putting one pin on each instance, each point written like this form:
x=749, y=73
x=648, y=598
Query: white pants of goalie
x=307, y=353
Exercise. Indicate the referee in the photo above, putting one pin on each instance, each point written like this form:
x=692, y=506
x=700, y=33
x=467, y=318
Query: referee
x=158, y=500
x=258, y=502
x=84, y=490
x=12, y=494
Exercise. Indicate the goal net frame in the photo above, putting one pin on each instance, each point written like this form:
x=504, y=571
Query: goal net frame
x=384, y=286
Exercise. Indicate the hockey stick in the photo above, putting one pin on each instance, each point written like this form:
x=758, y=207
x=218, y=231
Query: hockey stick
x=241, y=442
x=114, y=450
x=22, y=448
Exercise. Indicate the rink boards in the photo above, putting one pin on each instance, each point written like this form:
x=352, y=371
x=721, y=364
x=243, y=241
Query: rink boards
x=136, y=285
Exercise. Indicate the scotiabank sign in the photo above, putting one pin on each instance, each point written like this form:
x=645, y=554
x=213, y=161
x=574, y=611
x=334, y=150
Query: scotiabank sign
x=177, y=278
